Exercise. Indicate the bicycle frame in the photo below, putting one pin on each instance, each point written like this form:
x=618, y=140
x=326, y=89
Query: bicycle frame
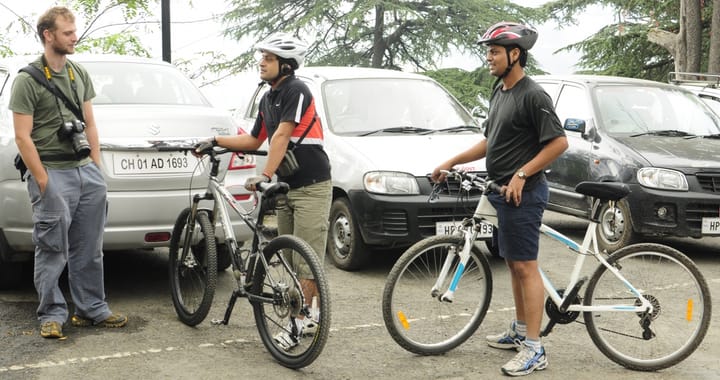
x=485, y=212
x=221, y=197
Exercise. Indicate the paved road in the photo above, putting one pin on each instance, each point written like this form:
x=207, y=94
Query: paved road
x=155, y=345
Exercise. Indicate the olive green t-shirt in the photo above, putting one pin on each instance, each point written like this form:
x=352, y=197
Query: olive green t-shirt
x=49, y=112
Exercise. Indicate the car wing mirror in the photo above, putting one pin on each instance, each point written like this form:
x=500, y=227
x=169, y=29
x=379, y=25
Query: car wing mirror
x=574, y=125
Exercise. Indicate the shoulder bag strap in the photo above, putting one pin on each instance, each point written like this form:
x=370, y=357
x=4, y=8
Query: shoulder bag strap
x=302, y=137
x=40, y=78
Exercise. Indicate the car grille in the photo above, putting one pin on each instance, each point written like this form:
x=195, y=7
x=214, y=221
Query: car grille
x=695, y=212
x=709, y=182
x=395, y=222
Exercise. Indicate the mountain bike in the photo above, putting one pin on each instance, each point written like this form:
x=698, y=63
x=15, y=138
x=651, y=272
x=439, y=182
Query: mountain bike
x=646, y=306
x=275, y=273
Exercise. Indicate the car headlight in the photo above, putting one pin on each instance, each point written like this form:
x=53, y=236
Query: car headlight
x=663, y=179
x=391, y=183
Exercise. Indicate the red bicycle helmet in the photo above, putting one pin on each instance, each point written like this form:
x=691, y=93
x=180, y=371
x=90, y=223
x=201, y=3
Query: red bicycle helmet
x=510, y=33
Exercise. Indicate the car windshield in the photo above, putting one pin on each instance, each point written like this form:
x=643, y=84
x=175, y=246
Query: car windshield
x=141, y=83
x=648, y=110
x=393, y=106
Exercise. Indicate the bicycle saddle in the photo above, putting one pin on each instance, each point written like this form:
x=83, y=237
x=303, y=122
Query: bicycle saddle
x=275, y=189
x=607, y=191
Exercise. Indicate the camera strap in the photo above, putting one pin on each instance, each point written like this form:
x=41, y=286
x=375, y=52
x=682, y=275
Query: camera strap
x=43, y=80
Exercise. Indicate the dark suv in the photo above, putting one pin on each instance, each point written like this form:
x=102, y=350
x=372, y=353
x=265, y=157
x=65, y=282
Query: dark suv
x=660, y=139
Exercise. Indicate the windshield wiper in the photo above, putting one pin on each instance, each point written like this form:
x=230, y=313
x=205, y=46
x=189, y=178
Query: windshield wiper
x=405, y=129
x=713, y=136
x=664, y=132
x=459, y=128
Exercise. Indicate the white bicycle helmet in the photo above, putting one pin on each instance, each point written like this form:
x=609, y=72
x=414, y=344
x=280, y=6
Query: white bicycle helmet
x=284, y=46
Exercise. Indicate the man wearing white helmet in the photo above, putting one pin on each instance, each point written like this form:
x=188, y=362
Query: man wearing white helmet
x=287, y=119
x=523, y=136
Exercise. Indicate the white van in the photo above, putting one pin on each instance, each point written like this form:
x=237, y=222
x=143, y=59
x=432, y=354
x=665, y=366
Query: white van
x=385, y=131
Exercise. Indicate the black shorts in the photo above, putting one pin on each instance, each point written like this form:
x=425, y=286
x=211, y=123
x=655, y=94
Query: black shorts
x=519, y=226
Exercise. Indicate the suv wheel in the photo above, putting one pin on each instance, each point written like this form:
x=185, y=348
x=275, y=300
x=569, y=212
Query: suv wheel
x=344, y=244
x=615, y=228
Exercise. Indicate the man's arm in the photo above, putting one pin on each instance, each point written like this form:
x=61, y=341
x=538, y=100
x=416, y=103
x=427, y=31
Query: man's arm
x=473, y=153
x=278, y=147
x=551, y=151
x=23, y=125
x=91, y=133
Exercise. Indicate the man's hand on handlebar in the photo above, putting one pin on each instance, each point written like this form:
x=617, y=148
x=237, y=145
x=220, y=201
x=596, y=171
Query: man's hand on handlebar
x=251, y=183
x=439, y=174
x=204, y=146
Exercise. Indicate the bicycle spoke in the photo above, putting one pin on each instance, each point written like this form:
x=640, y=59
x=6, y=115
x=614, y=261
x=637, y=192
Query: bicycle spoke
x=415, y=317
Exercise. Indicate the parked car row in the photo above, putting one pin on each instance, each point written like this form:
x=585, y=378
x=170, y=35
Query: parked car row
x=384, y=133
x=138, y=101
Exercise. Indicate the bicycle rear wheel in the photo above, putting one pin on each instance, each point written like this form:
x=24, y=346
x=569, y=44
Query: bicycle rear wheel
x=681, y=307
x=414, y=317
x=193, y=267
x=292, y=275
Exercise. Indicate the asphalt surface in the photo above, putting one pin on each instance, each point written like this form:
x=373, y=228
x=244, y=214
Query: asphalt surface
x=156, y=345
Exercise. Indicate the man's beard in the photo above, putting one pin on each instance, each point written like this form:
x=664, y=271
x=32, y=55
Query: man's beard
x=61, y=50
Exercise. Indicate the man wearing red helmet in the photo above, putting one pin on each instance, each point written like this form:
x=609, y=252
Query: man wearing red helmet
x=523, y=136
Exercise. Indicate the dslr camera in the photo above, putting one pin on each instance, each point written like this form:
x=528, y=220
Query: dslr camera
x=75, y=131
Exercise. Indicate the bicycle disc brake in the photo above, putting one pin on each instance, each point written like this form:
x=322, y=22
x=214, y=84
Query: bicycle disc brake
x=288, y=301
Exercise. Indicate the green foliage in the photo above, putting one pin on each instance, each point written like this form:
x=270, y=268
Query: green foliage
x=393, y=34
x=97, y=35
x=622, y=48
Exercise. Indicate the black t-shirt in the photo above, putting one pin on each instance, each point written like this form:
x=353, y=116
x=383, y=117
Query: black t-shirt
x=293, y=101
x=521, y=120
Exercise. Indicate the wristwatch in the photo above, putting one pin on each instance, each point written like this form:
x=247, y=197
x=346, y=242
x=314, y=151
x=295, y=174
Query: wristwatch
x=521, y=174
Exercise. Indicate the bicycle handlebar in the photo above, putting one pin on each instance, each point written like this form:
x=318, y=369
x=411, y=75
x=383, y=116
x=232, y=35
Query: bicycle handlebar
x=479, y=180
x=187, y=146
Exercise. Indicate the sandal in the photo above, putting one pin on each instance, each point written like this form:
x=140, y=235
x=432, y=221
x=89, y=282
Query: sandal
x=51, y=330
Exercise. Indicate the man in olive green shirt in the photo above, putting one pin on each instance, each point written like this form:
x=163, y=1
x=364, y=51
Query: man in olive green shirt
x=66, y=186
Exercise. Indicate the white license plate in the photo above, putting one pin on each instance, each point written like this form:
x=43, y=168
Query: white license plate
x=711, y=226
x=152, y=163
x=449, y=228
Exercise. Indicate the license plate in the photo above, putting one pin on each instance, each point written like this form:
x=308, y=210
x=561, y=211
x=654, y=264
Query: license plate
x=152, y=163
x=449, y=228
x=711, y=226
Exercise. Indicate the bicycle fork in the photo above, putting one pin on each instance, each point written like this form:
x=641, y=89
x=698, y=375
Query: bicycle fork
x=464, y=255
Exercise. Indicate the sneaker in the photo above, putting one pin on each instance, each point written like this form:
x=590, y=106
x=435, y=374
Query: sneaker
x=51, y=330
x=526, y=361
x=508, y=340
x=286, y=339
x=310, y=326
x=114, y=320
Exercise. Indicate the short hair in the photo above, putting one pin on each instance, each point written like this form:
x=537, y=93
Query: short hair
x=47, y=20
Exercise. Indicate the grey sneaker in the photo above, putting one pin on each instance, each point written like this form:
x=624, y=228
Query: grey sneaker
x=286, y=339
x=507, y=340
x=310, y=326
x=525, y=362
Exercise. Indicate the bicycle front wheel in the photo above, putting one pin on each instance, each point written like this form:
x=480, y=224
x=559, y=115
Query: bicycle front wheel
x=193, y=267
x=413, y=314
x=680, y=315
x=293, y=316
